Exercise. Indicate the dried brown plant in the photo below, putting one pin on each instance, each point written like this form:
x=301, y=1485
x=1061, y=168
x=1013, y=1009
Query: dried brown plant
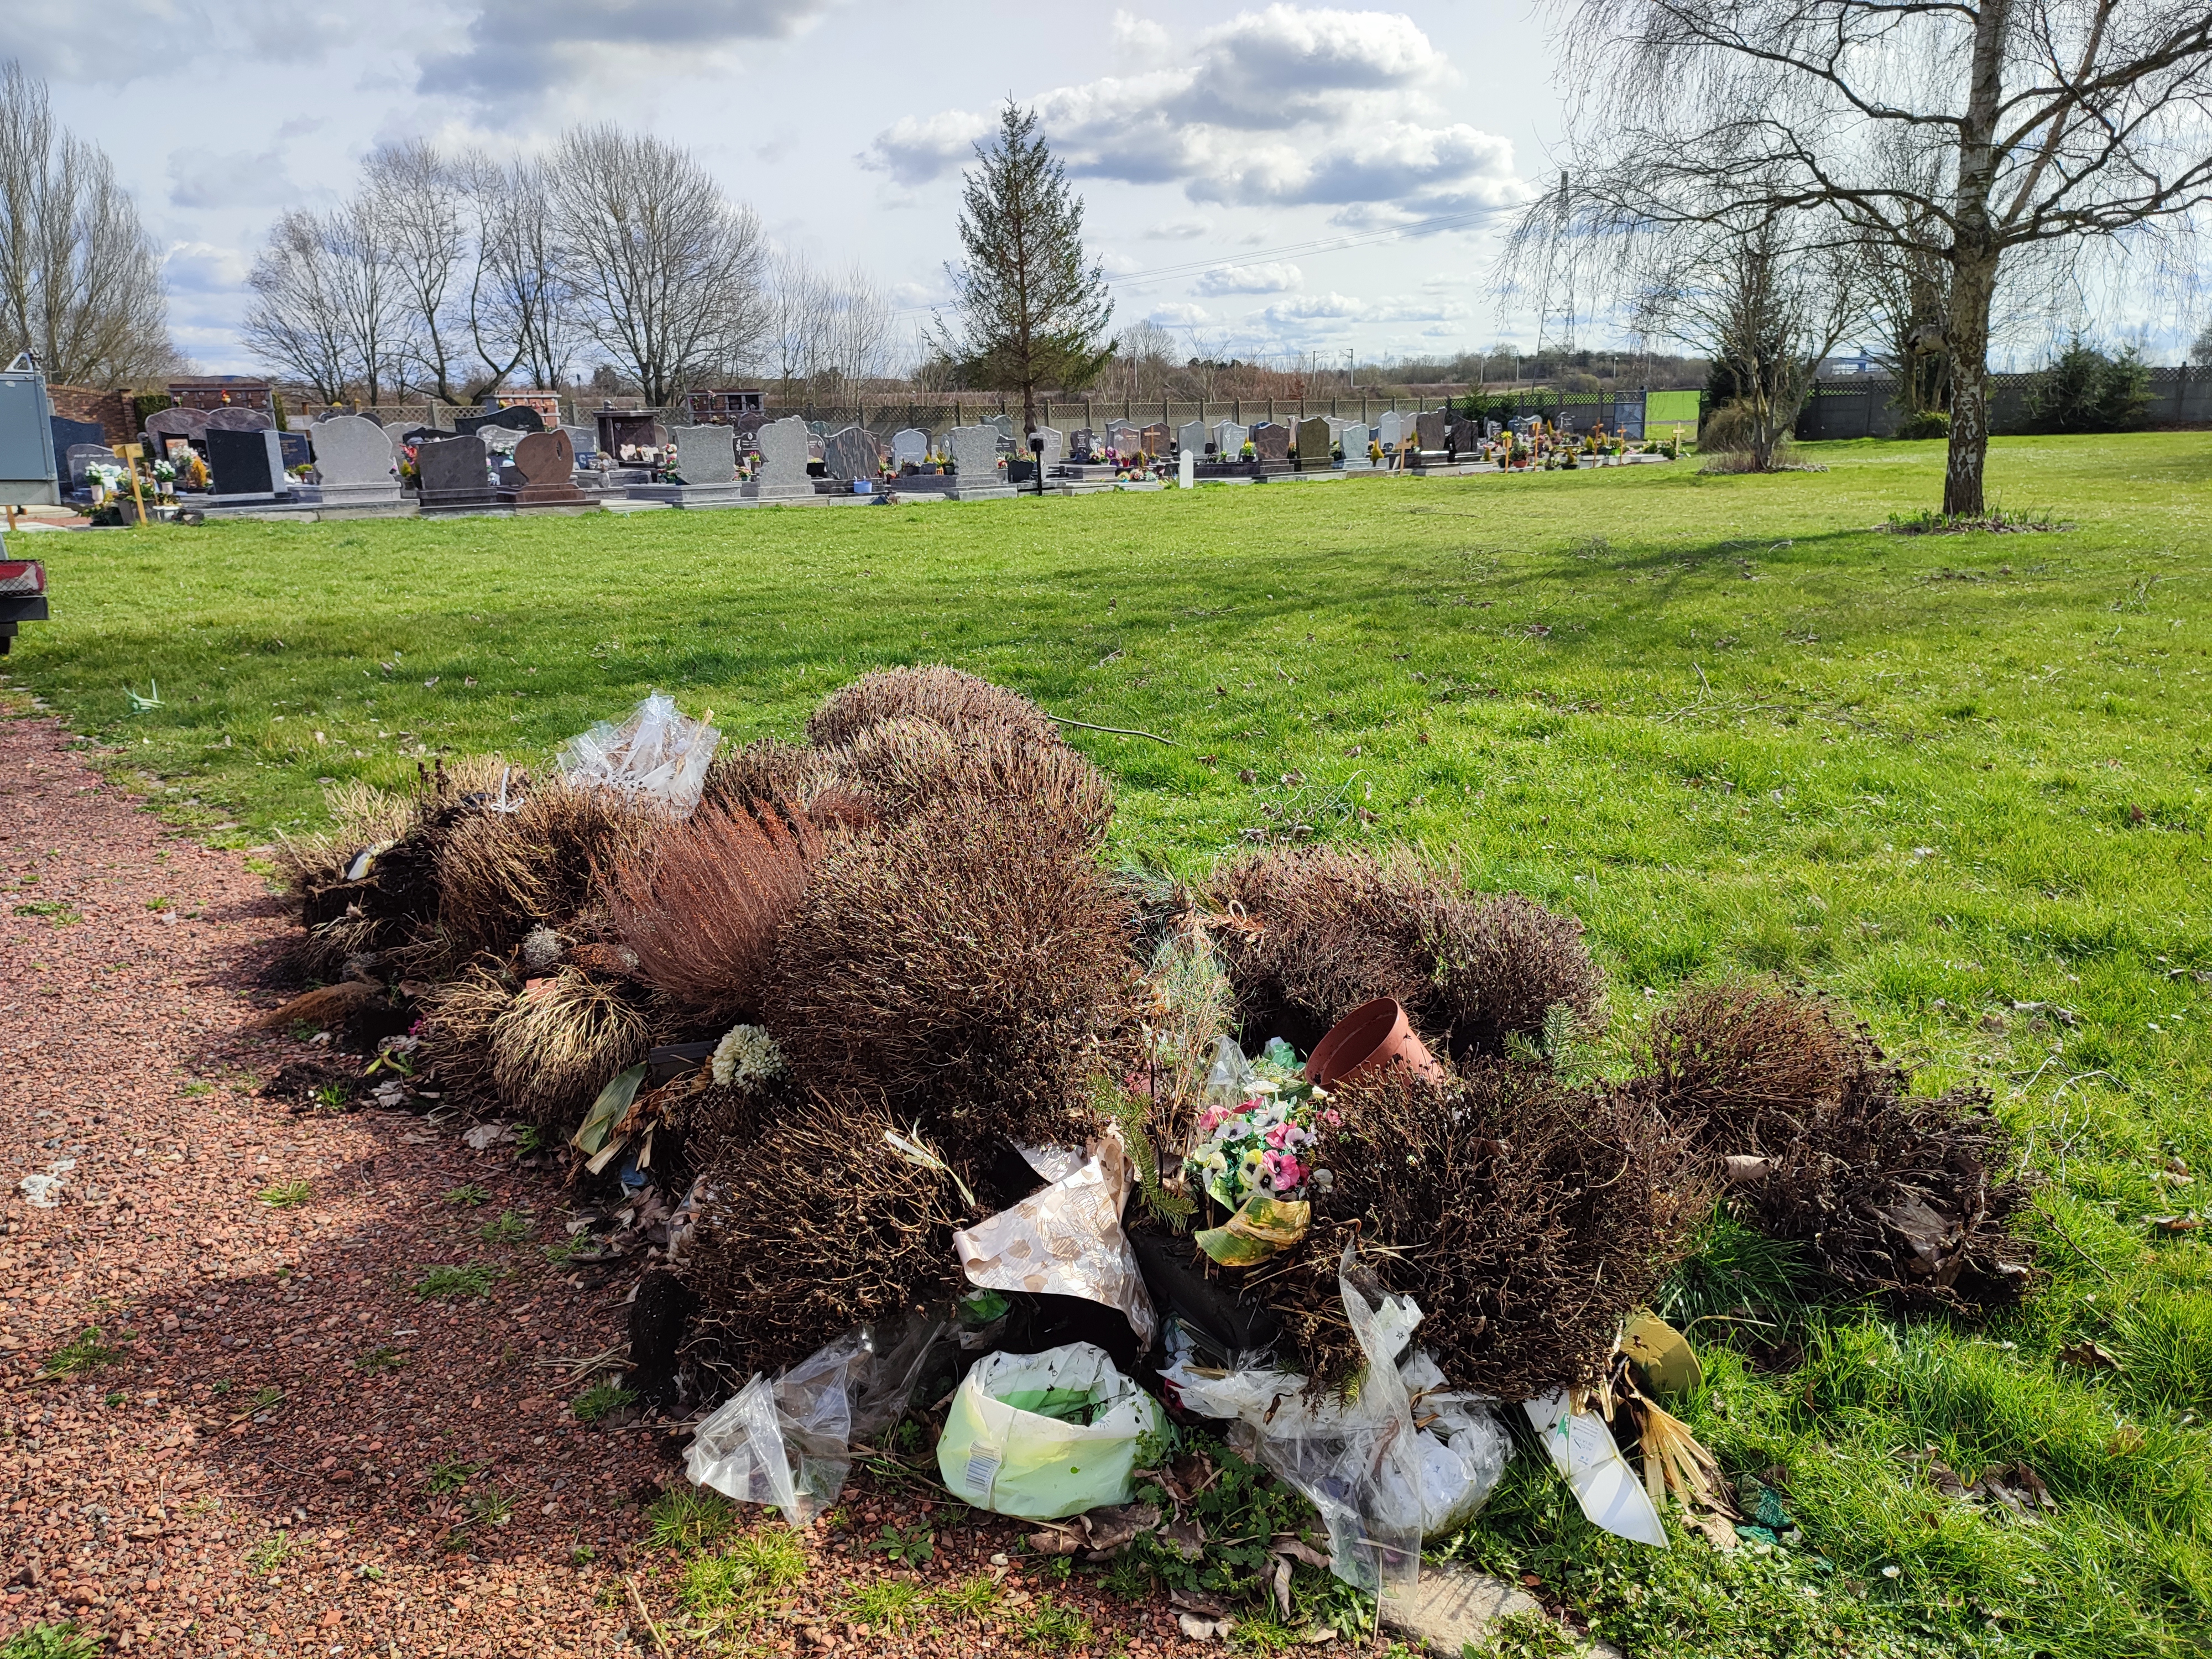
x=767, y=770
x=903, y=765
x=555, y=1047
x=457, y=1017
x=943, y=696
x=701, y=907
x=816, y=1226
x=1500, y=964
x=1526, y=1217
x=1743, y=1067
x=967, y=965
x=502, y=874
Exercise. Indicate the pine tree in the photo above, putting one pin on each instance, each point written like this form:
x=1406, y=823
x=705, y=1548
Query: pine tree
x=1032, y=310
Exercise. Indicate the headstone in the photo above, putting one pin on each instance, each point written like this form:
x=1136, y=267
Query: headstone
x=166, y=427
x=853, y=453
x=1192, y=438
x=1055, y=445
x=975, y=460
x=784, y=453
x=1187, y=468
x=1316, y=442
x=79, y=456
x=1464, y=438
x=70, y=434
x=909, y=446
x=246, y=465
x=294, y=448
x=1154, y=440
x=547, y=463
x=1003, y=423
x=705, y=454
x=521, y=418
x=1270, y=442
x=1354, y=440
x=1429, y=430
x=452, y=474
x=353, y=458
x=1228, y=440
x=1124, y=438
x=1083, y=443
x=233, y=418
x=1391, y=430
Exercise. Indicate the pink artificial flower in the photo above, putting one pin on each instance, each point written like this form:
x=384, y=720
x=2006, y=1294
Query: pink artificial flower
x=1331, y=1118
x=1283, y=1171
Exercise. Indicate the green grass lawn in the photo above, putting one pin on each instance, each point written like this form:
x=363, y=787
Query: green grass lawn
x=1726, y=721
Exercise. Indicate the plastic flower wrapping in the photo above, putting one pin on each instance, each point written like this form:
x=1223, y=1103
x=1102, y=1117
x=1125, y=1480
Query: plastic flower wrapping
x=1257, y=1131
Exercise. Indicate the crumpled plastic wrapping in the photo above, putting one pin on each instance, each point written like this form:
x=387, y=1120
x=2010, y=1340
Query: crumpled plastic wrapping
x=998, y=1454
x=789, y=1442
x=1381, y=1484
x=1584, y=1450
x=657, y=753
x=1066, y=1240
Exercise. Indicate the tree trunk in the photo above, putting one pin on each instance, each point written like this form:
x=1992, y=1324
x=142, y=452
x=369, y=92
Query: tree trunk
x=1974, y=284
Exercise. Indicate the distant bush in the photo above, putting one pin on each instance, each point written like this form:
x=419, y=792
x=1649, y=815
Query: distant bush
x=2087, y=391
x=1927, y=424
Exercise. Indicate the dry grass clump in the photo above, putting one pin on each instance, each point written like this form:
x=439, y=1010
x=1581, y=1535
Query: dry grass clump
x=552, y=1051
x=966, y=965
x=767, y=770
x=457, y=1017
x=361, y=815
x=903, y=765
x=943, y=696
x=815, y=1227
x=1310, y=933
x=502, y=874
x=702, y=906
x=1526, y=1217
x=1743, y=1067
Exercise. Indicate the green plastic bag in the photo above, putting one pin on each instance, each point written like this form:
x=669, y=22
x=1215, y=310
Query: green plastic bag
x=999, y=1456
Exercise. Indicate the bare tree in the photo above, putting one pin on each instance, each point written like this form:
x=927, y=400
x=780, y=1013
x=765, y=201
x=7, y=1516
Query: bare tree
x=2055, y=120
x=414, y=198
x=667, y=271
x=297, y=322
x=80, y=280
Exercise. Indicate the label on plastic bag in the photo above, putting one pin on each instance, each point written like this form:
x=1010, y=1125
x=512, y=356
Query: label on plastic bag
x=982, y=1469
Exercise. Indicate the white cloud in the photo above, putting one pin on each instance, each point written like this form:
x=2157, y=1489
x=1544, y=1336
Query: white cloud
x=203, y=268
x=126, y=40
x=1178, y=230
x=1283, y=106
x=205, y=179
x=1115, y=264
x=1272, y=277
x=1141, y=37
x=1178, y=315
x=1331, y=307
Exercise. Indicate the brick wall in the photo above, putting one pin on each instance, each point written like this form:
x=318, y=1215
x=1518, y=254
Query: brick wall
x=111, y=409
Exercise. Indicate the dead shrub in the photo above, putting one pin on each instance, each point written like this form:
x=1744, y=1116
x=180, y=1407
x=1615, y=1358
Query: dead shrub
x=503, y=874
x=967, y=966
x=903, y=765
x=457, y=1017
x=1743, y=1067
x=554, y=1048
x=814, y=1227
x=767, y=770
x=702, y=906
x=1308, y=934
x=932, y=692
x=1526, y=1217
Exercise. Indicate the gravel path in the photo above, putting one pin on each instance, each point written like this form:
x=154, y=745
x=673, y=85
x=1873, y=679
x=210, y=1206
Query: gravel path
x=262, y=1446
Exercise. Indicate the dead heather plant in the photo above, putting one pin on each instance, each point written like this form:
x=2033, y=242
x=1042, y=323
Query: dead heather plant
x=702, y=906
x=1526, y=1217
x=943, y=696
x=764, y=770
x=814, y=1227
x=458, y=1018
x=503, y=874
x=904, y=765
x=968, y=967
x=1743, y=1067
x=555, y=1047
x=1501, y=963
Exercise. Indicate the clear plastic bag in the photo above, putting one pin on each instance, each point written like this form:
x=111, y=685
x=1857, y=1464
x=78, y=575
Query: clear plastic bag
x=1012, y=1443
x=657, y=753
x=789, y=1443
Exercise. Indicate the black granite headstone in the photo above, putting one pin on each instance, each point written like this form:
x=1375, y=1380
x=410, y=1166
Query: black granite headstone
x=244, y=464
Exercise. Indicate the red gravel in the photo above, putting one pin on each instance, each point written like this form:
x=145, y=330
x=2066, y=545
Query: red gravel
x=146, y=1497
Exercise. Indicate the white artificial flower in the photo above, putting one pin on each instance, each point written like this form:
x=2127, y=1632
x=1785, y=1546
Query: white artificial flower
x=746, y=1057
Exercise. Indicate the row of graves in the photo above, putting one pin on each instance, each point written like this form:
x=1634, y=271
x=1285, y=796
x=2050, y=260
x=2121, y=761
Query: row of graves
x=231, y=460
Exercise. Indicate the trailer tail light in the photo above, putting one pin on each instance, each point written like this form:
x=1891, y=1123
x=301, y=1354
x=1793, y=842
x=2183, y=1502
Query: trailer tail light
x=22, y=576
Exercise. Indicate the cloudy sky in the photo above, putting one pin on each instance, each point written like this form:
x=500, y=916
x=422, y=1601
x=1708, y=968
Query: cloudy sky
x=1228, y=155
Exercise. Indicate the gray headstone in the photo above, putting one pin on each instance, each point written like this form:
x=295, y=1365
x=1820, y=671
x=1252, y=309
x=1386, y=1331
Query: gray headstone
x=81, y=456
x=453, y=471
x=1003, y=424
x=582, y=440
x=1429, y=428
x=909, y=446
x=351, y=451
x=784, y=449
x=1270, y=442
x=521, y=418
x=1229, y=440
x=852, y=453
x=705, y=454
x=1055, y=445
x=231, y=417
x=165, y=424
x=1354, y=440
x=1192, y=437
x=976, y=459
x=1124, y=438
x=244, y=464
x=1154, y=439
x=1315, y=443
x=1187, y=469
x=1390, y=428
x=1082, y=443
x=1463, y=437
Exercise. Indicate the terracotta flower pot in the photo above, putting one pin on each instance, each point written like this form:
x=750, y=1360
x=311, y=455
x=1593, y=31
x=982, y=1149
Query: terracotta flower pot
x=1373, y=1035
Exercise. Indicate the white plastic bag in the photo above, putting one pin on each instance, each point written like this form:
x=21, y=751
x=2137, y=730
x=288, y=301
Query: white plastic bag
x=789, y=1443
x=1582, y=1449
x=997, y=1453
x=657, y=753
